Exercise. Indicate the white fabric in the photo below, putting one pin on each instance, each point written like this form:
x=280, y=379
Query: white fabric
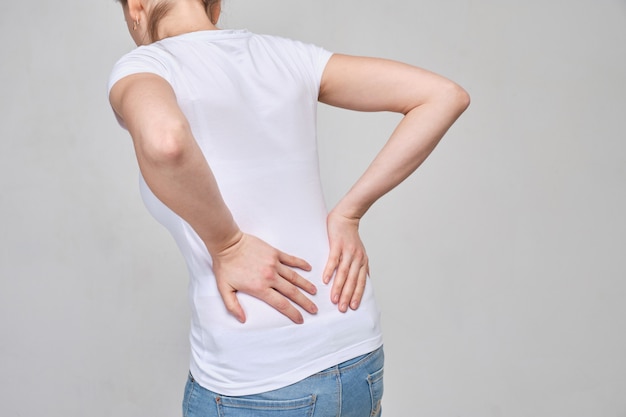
x=251, y=101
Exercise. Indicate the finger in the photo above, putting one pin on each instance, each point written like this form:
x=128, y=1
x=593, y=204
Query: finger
x=282, y=304
x=350, y=284
x=229, y=297
x=341, y=274
x=296, y=296
x=331, y=265
x=293, y=261
x=294, y=278
x=355, y=302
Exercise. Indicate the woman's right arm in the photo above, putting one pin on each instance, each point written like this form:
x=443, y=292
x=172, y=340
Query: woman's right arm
x=176, y=171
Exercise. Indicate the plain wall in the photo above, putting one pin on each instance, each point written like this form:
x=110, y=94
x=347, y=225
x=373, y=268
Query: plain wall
x=499, y=266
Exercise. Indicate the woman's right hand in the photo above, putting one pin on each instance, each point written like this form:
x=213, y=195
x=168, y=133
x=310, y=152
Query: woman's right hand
x=253, y=267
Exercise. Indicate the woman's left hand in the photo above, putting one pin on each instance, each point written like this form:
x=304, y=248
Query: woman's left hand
x=347, y=261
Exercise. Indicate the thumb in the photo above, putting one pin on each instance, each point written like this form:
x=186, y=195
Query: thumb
x=229, y=297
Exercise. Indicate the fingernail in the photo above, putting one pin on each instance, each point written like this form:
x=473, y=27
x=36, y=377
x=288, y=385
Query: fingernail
x=335, y=299
x=343, y=307
x=354, y=305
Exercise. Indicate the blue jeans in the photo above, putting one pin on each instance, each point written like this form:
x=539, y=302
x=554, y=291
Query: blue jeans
x=351, y=389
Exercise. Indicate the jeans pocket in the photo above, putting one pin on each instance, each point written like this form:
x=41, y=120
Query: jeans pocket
x=375, y=382
x=244, y=407
x=189, y=393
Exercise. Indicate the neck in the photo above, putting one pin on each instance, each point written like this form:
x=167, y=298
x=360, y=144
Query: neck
x=184, y=17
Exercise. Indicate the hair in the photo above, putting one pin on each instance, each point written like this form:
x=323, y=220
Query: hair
x=162, y=8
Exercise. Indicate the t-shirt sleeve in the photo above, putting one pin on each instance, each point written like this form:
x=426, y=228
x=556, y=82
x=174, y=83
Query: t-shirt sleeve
x=316, y=57
x=319, y=58
x=307, y=59
x=141, y=60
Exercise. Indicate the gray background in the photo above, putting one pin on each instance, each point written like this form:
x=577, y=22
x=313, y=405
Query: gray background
x=499, y=265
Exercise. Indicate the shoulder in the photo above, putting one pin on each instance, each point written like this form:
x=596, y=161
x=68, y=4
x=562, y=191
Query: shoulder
x=153, y=58
x=293, y=53
x=291, y=45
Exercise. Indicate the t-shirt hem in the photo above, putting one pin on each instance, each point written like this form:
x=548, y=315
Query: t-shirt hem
x=290, y=377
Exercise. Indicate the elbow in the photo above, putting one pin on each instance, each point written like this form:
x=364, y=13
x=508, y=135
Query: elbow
x=447, y=96
x=165, y=144
x=464, y=99
x=456, y=98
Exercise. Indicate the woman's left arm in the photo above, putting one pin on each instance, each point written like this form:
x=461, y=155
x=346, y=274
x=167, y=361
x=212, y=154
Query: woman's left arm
x=430, y=104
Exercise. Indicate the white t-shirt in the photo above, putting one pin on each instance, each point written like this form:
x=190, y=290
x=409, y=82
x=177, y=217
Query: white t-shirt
x=251, y=101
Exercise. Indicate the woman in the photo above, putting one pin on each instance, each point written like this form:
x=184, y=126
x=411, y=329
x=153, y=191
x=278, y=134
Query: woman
x=284, y=321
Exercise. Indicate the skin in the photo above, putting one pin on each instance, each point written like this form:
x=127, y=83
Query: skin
x=178, y=174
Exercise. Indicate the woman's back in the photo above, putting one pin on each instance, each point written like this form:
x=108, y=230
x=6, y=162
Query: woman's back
x=251, y=103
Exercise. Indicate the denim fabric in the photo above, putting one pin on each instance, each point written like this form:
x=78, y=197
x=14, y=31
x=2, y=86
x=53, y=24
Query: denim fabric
x=351, y=389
